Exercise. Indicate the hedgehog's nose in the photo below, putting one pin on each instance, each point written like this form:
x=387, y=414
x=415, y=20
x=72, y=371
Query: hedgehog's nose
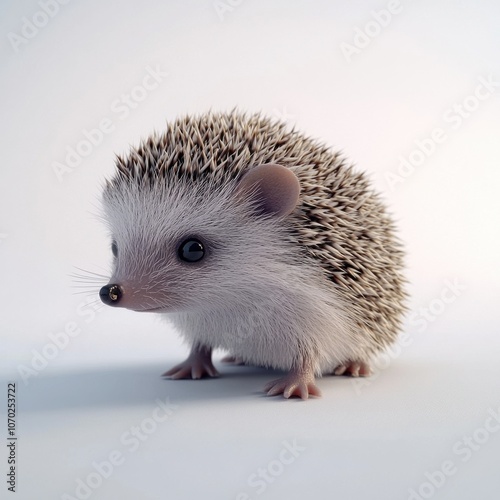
x=111, y=294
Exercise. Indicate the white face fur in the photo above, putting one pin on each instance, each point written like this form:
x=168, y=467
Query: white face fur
x=237, y=235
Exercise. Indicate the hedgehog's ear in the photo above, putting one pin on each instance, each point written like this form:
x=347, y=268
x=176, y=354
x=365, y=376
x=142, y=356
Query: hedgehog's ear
x=276, y=188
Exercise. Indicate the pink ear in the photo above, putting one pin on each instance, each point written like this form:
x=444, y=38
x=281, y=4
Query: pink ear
x=276, y=188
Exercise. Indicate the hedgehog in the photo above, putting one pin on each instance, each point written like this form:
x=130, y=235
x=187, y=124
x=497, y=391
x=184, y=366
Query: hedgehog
x=253, y=238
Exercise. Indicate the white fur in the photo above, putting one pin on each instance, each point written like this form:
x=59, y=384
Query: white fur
x=256, y=294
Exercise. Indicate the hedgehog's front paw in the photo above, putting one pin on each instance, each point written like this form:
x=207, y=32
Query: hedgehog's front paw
x=192, y=369
x=301, y=384
x=354, y=368
x=197, y=365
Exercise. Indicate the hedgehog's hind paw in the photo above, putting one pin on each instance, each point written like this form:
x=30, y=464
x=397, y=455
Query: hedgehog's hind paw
x=353, y=368
x=233, y=360
x=295, y=383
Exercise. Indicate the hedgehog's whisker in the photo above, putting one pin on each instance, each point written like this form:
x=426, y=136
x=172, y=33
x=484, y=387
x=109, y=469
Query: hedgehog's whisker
x=91, y=273
x=83, y=279
x=84, y=292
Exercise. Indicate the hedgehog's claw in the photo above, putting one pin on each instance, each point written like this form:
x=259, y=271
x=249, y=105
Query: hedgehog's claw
x=353, y=368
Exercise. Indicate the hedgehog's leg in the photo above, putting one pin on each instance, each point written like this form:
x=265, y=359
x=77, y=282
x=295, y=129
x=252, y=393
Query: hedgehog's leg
x=197, y=365
x=298, y=382
x=353, y=368
x=233, y=360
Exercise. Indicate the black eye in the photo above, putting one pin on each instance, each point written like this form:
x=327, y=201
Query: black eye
x=191, y=251
x=114, y=248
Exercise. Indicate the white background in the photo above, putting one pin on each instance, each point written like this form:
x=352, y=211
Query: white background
x=285, y=58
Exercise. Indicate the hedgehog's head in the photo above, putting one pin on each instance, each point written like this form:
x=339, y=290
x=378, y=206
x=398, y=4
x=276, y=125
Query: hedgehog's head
x=181, y=243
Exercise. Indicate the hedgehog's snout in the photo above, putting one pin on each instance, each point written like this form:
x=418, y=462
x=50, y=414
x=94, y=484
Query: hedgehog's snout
x=111, y=294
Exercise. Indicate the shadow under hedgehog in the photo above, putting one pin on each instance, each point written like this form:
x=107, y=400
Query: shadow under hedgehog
x=257, y=240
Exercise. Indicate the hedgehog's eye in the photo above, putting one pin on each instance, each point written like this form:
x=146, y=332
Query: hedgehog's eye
x=191, y=250
x=114, y=248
